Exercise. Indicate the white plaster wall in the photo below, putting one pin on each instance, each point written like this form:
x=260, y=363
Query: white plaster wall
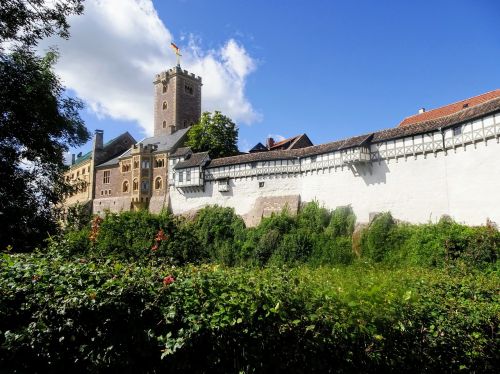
x=464, y=184
x=112, y=204
x=242, y=194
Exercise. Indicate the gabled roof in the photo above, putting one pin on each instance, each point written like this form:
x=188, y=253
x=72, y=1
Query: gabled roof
x=450, y=109
x=291, y=143
x=259, y=147
x=87, y=156
x=196, y=159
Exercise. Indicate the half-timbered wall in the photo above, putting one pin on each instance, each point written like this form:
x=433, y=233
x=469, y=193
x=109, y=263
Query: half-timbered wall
x=418, y=178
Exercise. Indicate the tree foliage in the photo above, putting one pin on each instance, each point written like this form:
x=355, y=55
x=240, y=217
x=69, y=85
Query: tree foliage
x=38, y=122
x=216, y=134
x=26, y=22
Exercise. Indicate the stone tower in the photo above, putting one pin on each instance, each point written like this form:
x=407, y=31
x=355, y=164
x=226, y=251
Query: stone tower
x=177, y=100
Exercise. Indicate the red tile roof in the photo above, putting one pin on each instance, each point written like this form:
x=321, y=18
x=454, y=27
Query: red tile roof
x=451, y=108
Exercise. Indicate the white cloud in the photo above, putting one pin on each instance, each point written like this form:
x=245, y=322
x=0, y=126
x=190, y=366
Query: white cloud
x=276, y=137
x=117, y=47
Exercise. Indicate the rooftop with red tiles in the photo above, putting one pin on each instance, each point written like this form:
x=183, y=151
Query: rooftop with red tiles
x=450, y=109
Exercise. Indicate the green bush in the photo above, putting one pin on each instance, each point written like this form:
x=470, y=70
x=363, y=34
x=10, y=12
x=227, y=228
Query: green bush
x=342, y=222
x=331, y=251
x=60, y=315
x=313, y=218
x=377, y=241
x=220, y=232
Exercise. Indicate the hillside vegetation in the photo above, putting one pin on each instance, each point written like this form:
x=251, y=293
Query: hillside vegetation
x=137, y=292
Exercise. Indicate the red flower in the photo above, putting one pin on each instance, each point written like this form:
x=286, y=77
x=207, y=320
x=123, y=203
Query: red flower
x=168, y=280
x=161, y=236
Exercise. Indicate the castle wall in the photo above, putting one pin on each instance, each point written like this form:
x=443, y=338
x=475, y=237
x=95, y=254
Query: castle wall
x=417, y=179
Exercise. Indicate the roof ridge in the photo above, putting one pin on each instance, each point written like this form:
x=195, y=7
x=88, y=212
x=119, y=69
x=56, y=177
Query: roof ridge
x=450, y=104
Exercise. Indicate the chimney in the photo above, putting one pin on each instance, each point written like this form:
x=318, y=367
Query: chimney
x=269, y=143
x=98, y=139
x=421, y=110
x=73, y=158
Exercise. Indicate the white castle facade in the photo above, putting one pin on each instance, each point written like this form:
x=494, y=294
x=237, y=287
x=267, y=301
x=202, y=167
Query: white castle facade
x=440, y=162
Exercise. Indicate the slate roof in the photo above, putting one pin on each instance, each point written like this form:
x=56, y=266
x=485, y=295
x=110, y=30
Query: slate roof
x=196, y=159
x=182, y=151
x=259, y=147
x=88, y=155
x=451, y=108
x=455, y=118
x=164, y=143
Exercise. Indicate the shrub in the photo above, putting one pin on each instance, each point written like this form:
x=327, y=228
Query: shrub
x=219, y=231
x=331, y=251
x=376, y=241
x=59, y=315
x=313, y=218
x=342, y=222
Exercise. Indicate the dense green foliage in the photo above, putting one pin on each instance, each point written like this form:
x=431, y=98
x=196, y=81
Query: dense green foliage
x=138, y=292
x=38, y=121
x=215, y=133
x=433, y=245
x=72, y=315
x=25, y=22
x=315, y=236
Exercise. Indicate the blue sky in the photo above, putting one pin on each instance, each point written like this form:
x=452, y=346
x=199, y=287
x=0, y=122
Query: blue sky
x=331, y=69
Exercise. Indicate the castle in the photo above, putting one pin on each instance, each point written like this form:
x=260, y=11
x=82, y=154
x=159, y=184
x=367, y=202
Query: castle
x=437, y=162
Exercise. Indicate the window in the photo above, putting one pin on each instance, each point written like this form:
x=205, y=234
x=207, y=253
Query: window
x=164, y=105
x=102, y=192
x=253, y=165
x=159, y=162
x=165, y=88
x=188, y=176
x=188, y=89
x=158, y=183
x=457, y=131
x=164, y=124
x=77, y=174
x=135, y=185
x=83, y=171
x=145, y=186
x=109, y=192
x=261, y=184
x=181, y=176
x=145, y=164
x=313, y=158
x=125, y=167
x=136, y=164
x=105, y=178
x=125, y=186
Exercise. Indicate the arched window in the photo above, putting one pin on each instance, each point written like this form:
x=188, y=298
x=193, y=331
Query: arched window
x=135, y=185
x=145, y=186
x=164, y=124
x=158, y=183
x=164, y=105
x=165, y=88
x=125, y=186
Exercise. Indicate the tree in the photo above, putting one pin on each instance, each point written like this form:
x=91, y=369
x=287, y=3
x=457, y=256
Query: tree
x=215, y=133
x=28, y=21
x=38, y=123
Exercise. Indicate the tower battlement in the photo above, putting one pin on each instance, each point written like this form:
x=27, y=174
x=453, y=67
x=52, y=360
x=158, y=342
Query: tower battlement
x=177, y=100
